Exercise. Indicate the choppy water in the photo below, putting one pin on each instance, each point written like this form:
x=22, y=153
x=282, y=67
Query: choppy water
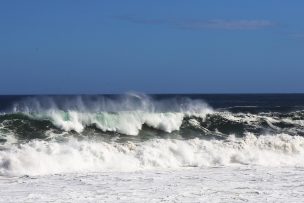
x=42, y=135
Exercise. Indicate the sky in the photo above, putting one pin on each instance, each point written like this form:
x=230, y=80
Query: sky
x=159, y=46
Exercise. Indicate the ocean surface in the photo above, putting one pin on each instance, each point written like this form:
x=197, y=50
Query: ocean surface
x=152, y=148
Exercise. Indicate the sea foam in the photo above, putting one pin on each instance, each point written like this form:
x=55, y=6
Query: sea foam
x=39, y=157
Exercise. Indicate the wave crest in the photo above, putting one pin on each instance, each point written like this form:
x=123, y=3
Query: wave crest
x=125, y=114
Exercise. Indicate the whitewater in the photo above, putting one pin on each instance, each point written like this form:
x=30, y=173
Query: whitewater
x=149, y=148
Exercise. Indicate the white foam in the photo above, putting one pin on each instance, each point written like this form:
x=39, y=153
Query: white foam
x=125, y=115
x=48, y=157
x=214, y=184
x=125, y=122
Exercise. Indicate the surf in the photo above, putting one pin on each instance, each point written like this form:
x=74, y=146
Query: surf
x=39, y=157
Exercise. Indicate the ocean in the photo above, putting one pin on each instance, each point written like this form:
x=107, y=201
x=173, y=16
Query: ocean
x=152, y=148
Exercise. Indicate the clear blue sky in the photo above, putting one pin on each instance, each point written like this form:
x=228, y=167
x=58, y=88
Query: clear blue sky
x=193, y=46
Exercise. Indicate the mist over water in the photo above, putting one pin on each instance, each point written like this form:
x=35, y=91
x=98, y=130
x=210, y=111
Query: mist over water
x=62, y=134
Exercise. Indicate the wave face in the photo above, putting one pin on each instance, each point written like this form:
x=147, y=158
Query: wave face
x=59, y=134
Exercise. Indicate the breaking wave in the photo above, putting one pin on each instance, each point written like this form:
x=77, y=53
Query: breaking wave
x=59, y=134
x=39, y=157
x=136, y=122
x=125, y=114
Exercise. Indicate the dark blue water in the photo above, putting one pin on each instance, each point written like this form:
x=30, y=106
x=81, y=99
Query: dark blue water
x=262, y=102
